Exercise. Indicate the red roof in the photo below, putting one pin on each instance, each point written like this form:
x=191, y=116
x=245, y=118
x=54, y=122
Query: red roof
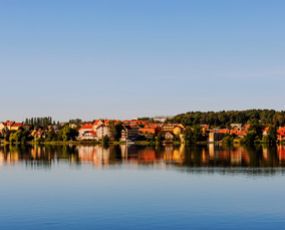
x=18, y=124
x=13, y=124
x=92, y=132
x=281, y=131
x=148, y=130
x=87, y=126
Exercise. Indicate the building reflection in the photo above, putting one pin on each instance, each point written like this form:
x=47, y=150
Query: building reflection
x=180, y=156
x=281, y=152
x=174, y=155
x=94, y=154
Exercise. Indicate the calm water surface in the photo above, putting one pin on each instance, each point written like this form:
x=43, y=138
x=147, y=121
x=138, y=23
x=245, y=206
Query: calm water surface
x=142, y=188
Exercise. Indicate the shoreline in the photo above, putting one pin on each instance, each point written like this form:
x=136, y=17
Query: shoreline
x=137, y=143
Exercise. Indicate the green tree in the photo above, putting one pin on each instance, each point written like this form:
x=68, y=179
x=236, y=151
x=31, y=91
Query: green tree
x=189, y=136
x=66, y=133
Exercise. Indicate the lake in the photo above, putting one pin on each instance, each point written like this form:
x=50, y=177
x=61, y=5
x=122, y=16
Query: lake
x=134, y=187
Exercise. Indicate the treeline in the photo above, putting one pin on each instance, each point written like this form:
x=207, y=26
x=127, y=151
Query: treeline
x=223, y=119
x=42, y=122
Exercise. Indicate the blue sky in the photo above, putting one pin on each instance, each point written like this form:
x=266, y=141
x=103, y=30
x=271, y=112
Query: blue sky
x=129, y=58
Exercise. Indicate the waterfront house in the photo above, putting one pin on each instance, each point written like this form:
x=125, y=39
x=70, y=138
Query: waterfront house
x=87, y=132
x=237, y=126
x=2, y=126
x=170, y=131
x=103, y=130
x=149, y=130
x=94, y=130
x=217, y=134
x=11, y=125
x=129, y=133
x=177, y=129
x=281, y=134
x=139, y=123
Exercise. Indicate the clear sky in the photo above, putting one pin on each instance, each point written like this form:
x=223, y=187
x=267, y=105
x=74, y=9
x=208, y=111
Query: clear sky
x=129, y=58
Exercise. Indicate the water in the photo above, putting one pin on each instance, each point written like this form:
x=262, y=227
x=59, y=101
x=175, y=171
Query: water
x=142, y=188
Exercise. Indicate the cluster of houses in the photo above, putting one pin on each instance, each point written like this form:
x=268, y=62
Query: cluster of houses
x=241, y=131
x=218, y=134
x=132, y=130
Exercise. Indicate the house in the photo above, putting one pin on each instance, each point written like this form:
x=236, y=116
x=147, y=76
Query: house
x=140, y=123
x=11, y=125
x=281, y=134
x=237, y=126
x=87, y=132
x=149, y=130
x=217, y=135
x=2, y=126
x=239, y=133
x=16, y=126
x=94, y=130
x=172, y=130
x=129, y=133
x=103, y=130
x=176, y=129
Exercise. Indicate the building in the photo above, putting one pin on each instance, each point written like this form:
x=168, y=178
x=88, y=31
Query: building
x=170, y=131
x=103, y=130
x=237, y=126
x=11, y=125
x=216, y=135
x=87, y=132
x=281, y=134
x=129, y=133
x=94, y=130
x=149, y=130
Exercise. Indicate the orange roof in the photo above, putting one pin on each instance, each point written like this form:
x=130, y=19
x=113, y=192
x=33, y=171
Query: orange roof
x=147, y=130
x=87, y=126
x=281, y=131
x=92, y=132
x=13, y=124
x=18, y=124
x=99, y=122
x=221, y=131
x=239, y=132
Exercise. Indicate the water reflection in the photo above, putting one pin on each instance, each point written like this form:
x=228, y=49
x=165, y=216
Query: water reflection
x=211, y=156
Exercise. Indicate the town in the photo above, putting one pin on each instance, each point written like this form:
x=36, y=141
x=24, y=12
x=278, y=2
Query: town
x=256, y=126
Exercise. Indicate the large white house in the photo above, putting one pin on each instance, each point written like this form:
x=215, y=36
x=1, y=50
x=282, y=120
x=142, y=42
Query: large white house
x=94, y=131
x=102, y=130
